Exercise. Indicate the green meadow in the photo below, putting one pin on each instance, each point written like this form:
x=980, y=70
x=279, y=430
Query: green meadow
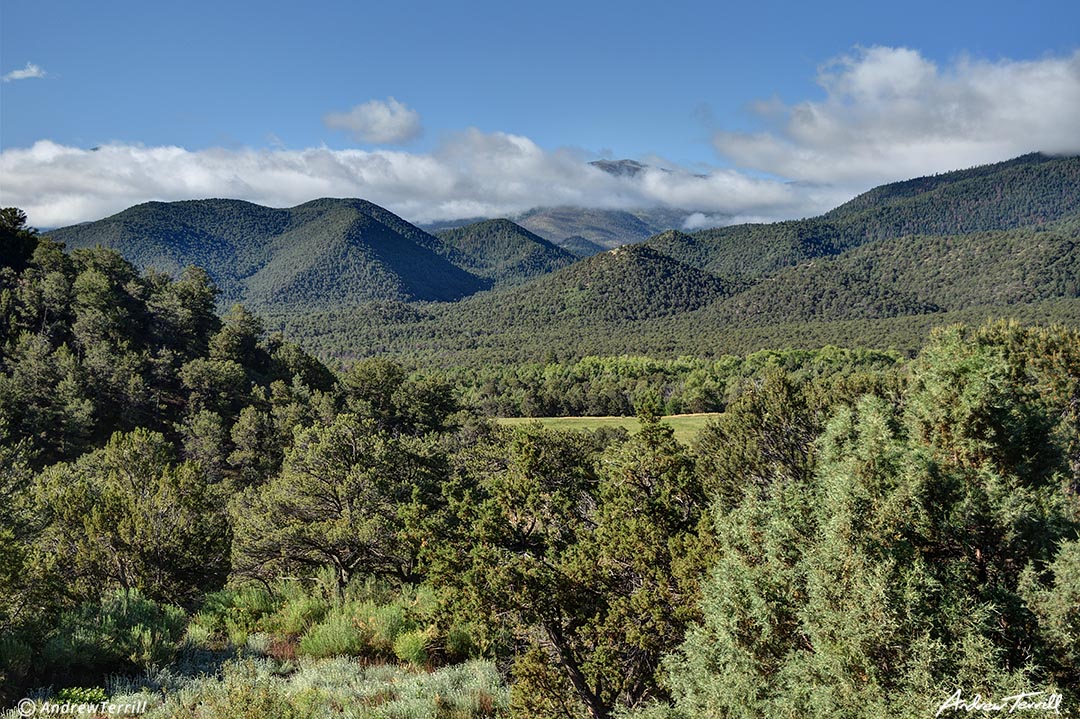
x=686, y=426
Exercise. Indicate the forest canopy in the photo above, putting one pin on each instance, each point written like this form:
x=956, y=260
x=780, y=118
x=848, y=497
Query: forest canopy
x=859, y=532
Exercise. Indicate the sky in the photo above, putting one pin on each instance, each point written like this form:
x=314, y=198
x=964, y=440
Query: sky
x=746, y=111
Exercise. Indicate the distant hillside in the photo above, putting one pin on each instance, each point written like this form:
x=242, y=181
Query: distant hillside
x=581, y=247
x=1031, y=183
x=324, y=253
x=802, y=283
x=816, y=291
x=624, y=284
x=1029, y=190
x=502, y=251
x=1022, y=265
x=345, y=276
x=603, y=228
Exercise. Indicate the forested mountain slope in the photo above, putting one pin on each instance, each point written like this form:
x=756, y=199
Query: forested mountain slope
x=1029, y=190
x=346, y=275
x=625, y=284
x=502, y=251
x=324, y=253
x=884, y=294
x=915, y=275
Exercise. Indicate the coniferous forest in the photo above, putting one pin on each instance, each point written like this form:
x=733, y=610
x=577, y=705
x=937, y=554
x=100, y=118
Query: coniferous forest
x=310, y=509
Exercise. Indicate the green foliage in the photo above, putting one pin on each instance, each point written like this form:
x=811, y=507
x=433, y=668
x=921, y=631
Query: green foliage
x=593, y=571
x=340, y=633
x=501, y=251
x=232, y=614
x=342, y=499
x=123, y=629
x=88, y=347
x=299, y=612
x=894, y=570
x=382, y=390
x=126, y=516
x=82, y=695
x=17, y=241
x=413, y=647
x=1055, y=601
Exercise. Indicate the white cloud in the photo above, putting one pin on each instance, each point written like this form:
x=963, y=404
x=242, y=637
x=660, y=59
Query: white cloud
x=30, y=71
x=890, y=114
x=377, y=121
x=467, y=175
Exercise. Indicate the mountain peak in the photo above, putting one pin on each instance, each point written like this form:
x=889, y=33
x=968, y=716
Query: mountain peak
x=620, y=168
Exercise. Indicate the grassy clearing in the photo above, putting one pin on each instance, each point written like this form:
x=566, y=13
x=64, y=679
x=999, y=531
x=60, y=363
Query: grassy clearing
x=686, y=426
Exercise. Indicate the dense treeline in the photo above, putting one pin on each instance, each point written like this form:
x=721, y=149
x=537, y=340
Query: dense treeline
x=901, y=547
x=191, y=501
x=435, y=336
x=90, y=347
x=622, y=386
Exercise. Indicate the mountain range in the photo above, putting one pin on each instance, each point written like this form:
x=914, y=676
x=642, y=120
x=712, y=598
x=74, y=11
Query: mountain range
x=352, y=279
x=322, y=254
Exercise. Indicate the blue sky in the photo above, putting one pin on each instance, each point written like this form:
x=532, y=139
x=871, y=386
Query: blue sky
x=442, y=109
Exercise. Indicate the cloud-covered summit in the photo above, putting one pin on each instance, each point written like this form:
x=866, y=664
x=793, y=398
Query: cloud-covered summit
x=470, y=174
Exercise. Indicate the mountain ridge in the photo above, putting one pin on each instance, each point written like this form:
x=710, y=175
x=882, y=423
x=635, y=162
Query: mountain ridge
x=992, y=236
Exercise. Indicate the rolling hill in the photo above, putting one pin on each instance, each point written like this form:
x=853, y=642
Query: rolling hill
x=324, y=253
x=621, y=285
x=501, y=251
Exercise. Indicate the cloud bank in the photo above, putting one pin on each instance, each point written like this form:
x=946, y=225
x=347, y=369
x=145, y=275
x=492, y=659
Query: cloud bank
x=890, y=114
x=29, y=72
x=379, y=122
x=887, y=114
x=468, y=175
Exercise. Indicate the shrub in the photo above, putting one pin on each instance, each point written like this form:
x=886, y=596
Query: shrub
x=243, y=692
x=298, y=614
x=338, y=633
x=16, y=657
x=387, y=622
x=254, y=603
x=459, y=644
x=413, y=646
x=123, y=628
x=198, y=634
x=82, y=695
x=231, y=615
